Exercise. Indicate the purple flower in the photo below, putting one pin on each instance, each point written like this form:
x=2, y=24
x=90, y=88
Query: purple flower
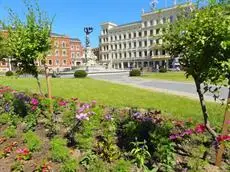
x=34, y=102
x=7, y=107
x=173, y=136
x=80, y=110
x=86, y=106
x=108, y=117
x=137, y=115
x=82, y=116
x=187, y=132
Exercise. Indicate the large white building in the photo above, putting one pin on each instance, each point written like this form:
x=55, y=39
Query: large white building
x=138, y=44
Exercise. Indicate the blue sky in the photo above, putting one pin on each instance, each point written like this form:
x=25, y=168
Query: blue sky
x=71, y=16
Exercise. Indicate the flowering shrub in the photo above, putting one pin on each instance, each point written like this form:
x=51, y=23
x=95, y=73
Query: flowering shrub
x=23, y=154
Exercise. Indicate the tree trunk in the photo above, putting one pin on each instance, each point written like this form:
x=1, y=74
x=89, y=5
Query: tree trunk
x=39, y=85
x=48, y=88
x=220, y=150
x=204, y=110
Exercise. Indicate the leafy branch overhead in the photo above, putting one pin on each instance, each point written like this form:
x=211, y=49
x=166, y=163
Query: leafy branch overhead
x=29, y=40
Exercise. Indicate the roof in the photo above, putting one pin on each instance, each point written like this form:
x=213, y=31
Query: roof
x=126, y=24
x=58, y=35
x=74, y=39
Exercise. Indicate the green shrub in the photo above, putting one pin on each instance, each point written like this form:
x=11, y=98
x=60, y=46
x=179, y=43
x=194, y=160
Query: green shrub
x=9, y=73
x=69, y=165
x=122, y=166
x=10, y=132
x=135, y=72
x=162, y=70
x=59, y=151
x=98, y=165
x=4, y=118
x=80, y=74
x=32, y=141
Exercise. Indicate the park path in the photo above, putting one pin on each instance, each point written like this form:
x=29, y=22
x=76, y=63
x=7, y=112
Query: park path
x=170, y=87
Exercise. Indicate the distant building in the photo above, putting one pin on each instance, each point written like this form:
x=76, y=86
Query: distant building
x=96, y=52
x=65, y=53
x=138, y=44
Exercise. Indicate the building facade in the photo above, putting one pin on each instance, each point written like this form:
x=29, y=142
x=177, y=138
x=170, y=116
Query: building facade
x=138, y=44
x=65, y=54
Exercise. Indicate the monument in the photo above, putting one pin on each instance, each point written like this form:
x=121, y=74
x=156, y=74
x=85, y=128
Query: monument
x=90, y=58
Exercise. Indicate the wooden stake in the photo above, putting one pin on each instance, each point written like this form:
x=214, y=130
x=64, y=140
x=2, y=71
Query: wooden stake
x=220, y=150
x=49, y=88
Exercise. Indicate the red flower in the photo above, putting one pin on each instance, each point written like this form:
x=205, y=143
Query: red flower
x=200, y=128
x=223, y=138
x=62, y=103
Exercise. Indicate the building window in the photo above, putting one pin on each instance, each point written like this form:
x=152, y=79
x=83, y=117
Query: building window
x=120, y=46
x=135, y=54
x=50, y=62
x=130, y=55
x=135, y=44
x=151, y=42
x=157, y=31
x=163, y=52
x=140, y=44
x=130, y=45
x=151, y=32
x=73, y=55
x=146, y=53
x=139, y=34
x=63, y=45
x=63, y=53
x=145, y=43
x=145, y=24
x=78, y=54
x=64, y=62
x=72, y=47
x=151, y=22
x=146, y=33
x=157, y=41
x=157, y=21
x=130, y=36
x=140, y=54
x=134, y=34
x=124, y=36
x=124, y=46
x=56, y=52
x=57, y=62
x=156, y=52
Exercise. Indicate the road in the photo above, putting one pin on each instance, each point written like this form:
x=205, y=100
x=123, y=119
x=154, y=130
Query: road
x=171, y=87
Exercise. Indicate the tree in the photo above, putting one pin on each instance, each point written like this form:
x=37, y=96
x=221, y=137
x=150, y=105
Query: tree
x=200, y=39
x=29, y=40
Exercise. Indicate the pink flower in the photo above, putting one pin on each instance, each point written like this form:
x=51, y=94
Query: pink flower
x=34, y=108
x=200, y=128
x=228, y=122
x=173, y=136
x=62, y=103
x=187, y=132
x=82, y=116
x=223, y=138
x=34, y=102
x=86, y=106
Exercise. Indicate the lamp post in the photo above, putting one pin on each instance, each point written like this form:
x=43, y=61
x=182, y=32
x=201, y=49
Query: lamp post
x=87, y=31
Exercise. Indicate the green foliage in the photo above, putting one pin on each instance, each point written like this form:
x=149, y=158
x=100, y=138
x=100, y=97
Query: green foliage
x=200, y=38
x=4, y=118
x=31, y=121
x=9, y=73
x=59, y=151
x=10, y=132
x=69, y=165
x=140, y=153
x=87, y=159
x=196, y=162
x=30, y=40
x=32, y=141
x=80, y=74
x=20, y=107
x=162, y=70
x=122, y=165
x=17, y=167
x=98, y=165
x=135, y=72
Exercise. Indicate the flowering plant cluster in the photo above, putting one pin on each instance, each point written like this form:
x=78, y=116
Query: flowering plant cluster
x=84, y=111
x=23, y=154
x=9, y=149
x=2, y=140
x=44, y=167
x=200, y=128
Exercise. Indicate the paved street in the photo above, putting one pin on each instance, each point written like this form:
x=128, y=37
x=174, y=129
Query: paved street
x=177, y=88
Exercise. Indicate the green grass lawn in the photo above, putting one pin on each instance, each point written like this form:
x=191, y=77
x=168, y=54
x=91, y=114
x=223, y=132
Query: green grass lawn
x=171, y=76
x=120, y=96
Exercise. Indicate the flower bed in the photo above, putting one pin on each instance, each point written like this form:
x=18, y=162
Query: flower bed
x=89, y=137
